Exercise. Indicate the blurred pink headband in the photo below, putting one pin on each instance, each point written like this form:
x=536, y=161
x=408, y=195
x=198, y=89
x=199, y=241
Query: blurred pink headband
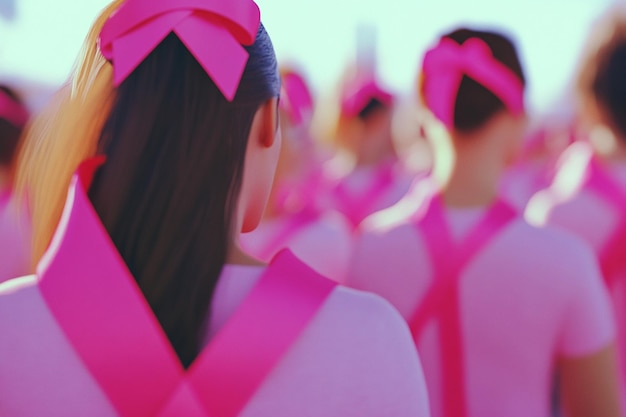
x=12, y=111
x=213, y=31
x=447, y=63
x=296, y=98
x=355, y=101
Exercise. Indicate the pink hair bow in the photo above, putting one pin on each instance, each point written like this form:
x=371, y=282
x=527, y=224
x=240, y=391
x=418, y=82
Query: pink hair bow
x=296, y=99
x=447, y=63
x=213, y=31
x=360, y=94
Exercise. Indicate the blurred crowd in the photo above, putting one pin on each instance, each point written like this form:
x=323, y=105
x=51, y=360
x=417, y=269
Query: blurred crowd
x=498, y=235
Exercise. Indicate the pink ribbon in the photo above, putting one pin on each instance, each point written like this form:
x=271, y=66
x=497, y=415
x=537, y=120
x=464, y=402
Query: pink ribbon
x=447, y=63
x=104, y=315
x=213, y=31
x=442, y=299
x=295, y=99
x=12, y=111
x=358, y=95
x=357, y=206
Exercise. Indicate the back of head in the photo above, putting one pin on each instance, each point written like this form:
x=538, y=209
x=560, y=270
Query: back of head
x=474, y=102
x=601, y=81
x=168, y=192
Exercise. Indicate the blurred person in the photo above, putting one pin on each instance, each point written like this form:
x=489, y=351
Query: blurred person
x=533, y=169
x=588, y=194
x=143, y=303
x=367, y=173
x=294, y=217
x=14, y=225
x=495, y=305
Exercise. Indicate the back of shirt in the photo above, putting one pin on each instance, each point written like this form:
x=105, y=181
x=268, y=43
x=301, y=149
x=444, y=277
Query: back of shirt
x=356, y=358
x=529, y=297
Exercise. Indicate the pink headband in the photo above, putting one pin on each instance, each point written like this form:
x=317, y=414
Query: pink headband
x=295, y=98
x=447, y=63
x=357, y=98
x=12, y=111
x=213, y=31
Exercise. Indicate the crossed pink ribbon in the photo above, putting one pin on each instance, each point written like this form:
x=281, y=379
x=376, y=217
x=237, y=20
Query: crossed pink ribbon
x=446, y=64
x=213, y=31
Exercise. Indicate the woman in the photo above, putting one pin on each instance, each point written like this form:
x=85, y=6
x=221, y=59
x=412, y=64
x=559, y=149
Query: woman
x=143, y=304
x=495, y=305
x=588, y=194
x=367, y=172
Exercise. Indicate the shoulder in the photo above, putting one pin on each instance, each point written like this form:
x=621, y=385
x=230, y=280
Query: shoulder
x=15, y=291
x=20, y=297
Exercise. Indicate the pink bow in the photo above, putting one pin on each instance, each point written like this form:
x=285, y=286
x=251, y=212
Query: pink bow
x=296, y=98
x=213, y=31
x=447, y=63
x=360, y=94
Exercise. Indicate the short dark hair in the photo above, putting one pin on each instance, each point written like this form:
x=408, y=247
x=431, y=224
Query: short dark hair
x=475, y=105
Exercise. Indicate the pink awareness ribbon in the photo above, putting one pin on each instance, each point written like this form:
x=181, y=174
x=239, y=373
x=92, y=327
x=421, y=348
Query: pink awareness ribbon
x=442, y=299
x=446, y=64
x=105, y=317
x=212, y=30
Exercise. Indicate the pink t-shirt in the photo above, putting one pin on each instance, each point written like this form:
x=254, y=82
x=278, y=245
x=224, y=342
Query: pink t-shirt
x=14, y=239
x=323, y=242
x=521, y=181
x=529, y=297
x=356, y=358
x=367, y=190
x=574, y=206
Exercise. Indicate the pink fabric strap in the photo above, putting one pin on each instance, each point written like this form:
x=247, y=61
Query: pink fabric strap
x=357, y=206
x=5, y=196
x=442, y=300
x=104, y=315
x=612, y=259
x=445, y=65
x=213, y=31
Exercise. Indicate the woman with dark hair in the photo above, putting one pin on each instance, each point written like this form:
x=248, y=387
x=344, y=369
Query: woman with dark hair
x=14, y=229
x=143, y=304
x=588, y=194
x=496, y=307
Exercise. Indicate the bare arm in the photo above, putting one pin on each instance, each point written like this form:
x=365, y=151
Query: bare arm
x=590, y=385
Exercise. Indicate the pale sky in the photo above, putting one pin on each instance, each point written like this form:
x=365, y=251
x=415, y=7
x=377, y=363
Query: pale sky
x=320, y=35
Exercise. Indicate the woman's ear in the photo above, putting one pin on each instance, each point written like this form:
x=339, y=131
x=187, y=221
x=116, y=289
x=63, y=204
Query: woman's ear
x=269, y=123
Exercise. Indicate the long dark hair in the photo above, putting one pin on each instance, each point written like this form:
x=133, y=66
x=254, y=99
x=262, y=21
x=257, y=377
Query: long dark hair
x=168, y=191
x=475, y=104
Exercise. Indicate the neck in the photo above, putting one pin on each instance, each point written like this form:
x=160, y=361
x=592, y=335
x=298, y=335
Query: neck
x=470, y=175
x=236, y=256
